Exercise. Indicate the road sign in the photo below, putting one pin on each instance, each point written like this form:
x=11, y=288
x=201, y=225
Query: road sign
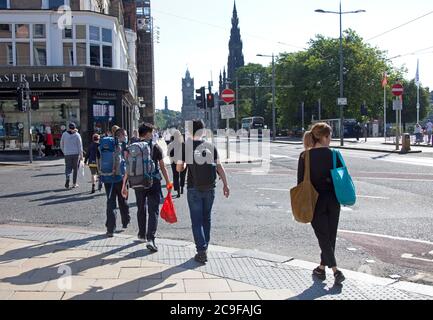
x=397, y=89
x=342, y=101
x=397, y=105
x=228, y=111
x=228, y=95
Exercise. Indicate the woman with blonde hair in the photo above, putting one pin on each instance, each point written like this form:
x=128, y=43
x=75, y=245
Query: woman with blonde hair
x=175, y=151
x=327, y=211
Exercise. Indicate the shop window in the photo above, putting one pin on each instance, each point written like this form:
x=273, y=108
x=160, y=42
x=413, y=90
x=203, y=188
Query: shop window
x=3, y=4
x=81, y=54
x=80, y=32
x=95, y=55
x=23, y=54
x=68, y=54
x=107, y=35
x=39, y=31
x=94, y=33
x=67, y=33
x=107, y=56
x=6, y=31
x=55, y=4
x=40, y=54
x=6, y=54
x=22, y=31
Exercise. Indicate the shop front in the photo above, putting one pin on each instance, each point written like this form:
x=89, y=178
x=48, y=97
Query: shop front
x=93, y=98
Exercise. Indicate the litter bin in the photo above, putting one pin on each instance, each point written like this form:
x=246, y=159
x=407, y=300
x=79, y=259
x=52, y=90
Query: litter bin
x=405, y=143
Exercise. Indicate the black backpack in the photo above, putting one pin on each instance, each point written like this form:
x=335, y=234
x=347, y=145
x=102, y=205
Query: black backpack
x=204, y=174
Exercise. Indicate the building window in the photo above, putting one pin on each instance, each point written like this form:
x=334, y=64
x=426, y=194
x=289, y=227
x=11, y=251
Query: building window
x=68, y=54
x=3, y=4
x=39, y=31
x=81, y=54
x=22, y=31
x=67, y=33
x=23, y=54
x=6, y=31
x=95, y=55
x=55, y=4
x=94, y=33
x=107, y=35
x=39, y=54
x=6, y=54
x=80, y=31
x=107, y=56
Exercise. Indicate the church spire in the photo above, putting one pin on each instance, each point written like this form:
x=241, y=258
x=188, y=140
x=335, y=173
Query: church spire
x=236, y=57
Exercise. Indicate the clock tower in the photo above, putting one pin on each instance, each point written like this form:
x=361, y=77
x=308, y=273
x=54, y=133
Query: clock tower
x=189, y=106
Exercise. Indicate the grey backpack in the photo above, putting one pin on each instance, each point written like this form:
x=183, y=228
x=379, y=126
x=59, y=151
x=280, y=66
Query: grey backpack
x=140, y=166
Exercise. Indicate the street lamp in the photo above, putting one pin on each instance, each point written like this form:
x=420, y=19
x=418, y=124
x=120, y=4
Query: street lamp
x=341, y=64
x=274, y=133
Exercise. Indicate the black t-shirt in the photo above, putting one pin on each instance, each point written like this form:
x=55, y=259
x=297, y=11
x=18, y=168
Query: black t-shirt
x=321, y=164
x=189, y=155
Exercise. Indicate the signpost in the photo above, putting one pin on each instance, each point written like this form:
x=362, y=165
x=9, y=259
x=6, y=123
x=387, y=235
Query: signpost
x=397, y=105
x=228, y=112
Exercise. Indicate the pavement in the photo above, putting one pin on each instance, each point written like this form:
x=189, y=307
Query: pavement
x=38, y=262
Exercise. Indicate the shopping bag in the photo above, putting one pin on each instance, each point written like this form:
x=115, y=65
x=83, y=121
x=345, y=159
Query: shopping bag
x=168, y=212
x=343, y=183
x=304, y=197
x=81, y=167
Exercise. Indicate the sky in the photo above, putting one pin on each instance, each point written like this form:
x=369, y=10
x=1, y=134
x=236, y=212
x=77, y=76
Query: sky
x=194, y=34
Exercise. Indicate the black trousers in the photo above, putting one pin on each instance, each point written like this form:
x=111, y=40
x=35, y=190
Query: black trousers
x=325, y=225
x=148, y=201
x=178, y=178
x=114, y=191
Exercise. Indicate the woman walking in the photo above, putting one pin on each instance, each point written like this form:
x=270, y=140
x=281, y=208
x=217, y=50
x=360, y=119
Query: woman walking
x=327, y=210
x=175, y=151
x=91, y=160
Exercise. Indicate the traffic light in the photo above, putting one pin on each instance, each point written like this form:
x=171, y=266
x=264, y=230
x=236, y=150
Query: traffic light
x=35, y=102
x=63, y=111
x=20, y=99
x=201, y=98
x=210, y=99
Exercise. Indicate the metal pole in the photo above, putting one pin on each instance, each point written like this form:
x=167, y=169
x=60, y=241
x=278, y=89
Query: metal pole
x=237, y=103
x=341, y=80
x=384, y=112
x=397, y=131
x=417, y=104
x=227, y=138
x=303, y=118
x=320, y=109
x=273, y=100
x=29, y=120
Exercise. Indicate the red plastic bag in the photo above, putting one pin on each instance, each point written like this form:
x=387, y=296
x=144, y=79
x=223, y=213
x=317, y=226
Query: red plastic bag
x=168, y=212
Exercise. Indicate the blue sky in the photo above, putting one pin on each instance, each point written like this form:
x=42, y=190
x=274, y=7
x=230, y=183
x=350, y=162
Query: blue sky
x=195, y=34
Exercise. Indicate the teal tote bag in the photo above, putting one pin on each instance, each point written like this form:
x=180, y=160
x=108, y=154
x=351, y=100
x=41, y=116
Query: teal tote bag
x=343, y=184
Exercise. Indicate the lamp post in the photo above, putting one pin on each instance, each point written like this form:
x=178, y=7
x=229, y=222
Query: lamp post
x=340, y=13
x=274, y=133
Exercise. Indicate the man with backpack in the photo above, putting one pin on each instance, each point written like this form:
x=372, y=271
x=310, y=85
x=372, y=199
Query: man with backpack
x=144, y=165
x=111, y=168
x=72, y=147
x=203, y=163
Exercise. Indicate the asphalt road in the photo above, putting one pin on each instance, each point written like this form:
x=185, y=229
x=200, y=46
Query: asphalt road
x=388, y=232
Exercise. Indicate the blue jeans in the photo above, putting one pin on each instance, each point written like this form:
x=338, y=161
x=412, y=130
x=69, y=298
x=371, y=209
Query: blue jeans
x=200, y=207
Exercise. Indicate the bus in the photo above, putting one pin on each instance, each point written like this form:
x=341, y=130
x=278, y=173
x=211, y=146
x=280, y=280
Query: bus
x=253, y=123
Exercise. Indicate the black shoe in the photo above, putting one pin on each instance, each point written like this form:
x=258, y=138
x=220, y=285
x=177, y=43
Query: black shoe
x=125, y=225
x=181, y=190
x=319, y=273
x=67, y=184
x=151, y=246
x=339, y=277
x=201, y=257
x=109, y=234
x=93, y=189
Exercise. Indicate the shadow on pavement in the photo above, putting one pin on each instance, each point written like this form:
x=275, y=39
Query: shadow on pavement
x=71, y=199
x=48, y=175
x=318, y=290
x=32, y=193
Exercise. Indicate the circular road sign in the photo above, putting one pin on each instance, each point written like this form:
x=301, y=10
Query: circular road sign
x=397, y=89
x=228, y=95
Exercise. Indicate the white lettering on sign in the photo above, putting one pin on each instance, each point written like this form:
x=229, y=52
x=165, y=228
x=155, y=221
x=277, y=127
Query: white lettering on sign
x=34, y=77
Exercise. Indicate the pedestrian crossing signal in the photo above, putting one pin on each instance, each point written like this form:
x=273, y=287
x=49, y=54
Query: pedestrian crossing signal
x=35, y=102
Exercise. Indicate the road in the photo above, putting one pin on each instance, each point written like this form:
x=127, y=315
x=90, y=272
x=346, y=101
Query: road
x=388, y=232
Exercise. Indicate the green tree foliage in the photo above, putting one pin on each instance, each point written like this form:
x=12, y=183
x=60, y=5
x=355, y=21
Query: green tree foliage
x=314, y=74
x=166, y=120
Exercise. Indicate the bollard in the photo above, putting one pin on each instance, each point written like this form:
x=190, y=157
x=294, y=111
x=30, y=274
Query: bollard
x=405, y=143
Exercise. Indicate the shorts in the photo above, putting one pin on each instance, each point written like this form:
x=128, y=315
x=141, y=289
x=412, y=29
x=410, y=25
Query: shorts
x=93, y=171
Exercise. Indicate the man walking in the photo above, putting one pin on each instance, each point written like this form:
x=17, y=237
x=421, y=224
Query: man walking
x=72, y=147
x=429, y=129
x=201, y=159
x=146, y=164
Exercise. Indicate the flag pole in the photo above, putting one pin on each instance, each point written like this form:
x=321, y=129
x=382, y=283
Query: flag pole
x=384, y=112
x=417, y=92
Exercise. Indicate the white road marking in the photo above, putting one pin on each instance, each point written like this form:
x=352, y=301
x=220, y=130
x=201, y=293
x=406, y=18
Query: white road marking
x=410, y=256
x=391, y=179
x=346, y=209
x=352, y=249
x=279, y=156
x=359, y=196
x=373, y=197
x=386, y=236
x=370, y=261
